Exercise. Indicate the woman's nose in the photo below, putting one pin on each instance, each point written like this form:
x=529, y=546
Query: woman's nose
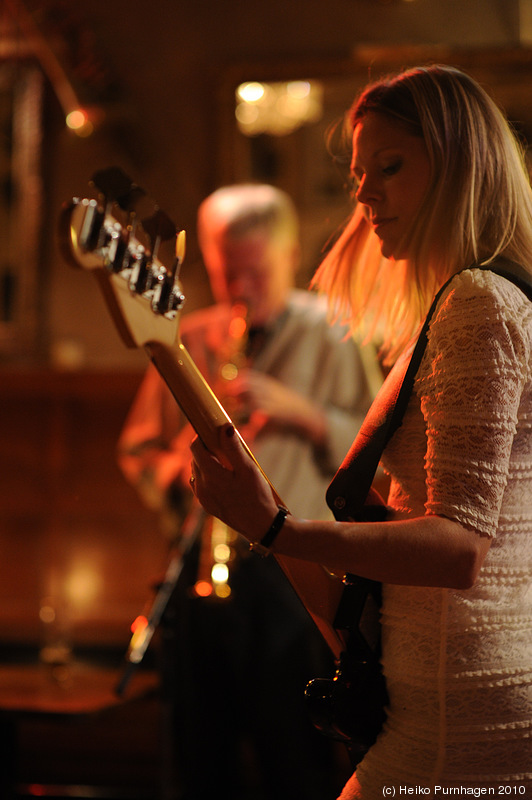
x=368, y=190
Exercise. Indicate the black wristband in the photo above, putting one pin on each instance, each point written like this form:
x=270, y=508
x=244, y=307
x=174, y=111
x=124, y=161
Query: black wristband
x=267, y=540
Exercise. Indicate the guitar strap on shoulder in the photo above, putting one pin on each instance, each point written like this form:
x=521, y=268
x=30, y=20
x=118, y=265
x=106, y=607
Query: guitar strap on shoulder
x=351, y=707
x=349, y=489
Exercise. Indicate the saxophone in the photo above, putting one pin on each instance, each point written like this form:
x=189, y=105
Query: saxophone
x=218, y=550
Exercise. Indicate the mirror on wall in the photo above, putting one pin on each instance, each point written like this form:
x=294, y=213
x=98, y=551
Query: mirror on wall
x=21, y=90
x=306, y=159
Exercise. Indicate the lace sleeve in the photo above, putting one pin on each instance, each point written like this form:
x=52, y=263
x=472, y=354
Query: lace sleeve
x=470, y=384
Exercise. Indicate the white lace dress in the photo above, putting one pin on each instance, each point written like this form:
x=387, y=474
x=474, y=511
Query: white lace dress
x=458, y=664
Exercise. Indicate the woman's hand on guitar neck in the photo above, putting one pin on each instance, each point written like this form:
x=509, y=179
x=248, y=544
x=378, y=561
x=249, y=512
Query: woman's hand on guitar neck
x=417, y=551
x=240, y=496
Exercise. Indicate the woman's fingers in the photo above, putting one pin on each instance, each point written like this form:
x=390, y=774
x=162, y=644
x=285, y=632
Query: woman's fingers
x=213, y=476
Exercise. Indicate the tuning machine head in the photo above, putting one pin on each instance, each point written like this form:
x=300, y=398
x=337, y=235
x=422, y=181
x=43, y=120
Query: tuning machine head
x=112, y=232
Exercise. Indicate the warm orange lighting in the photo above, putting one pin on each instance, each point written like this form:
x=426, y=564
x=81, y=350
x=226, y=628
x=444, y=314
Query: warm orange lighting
x=139, y=624
x=229, y=372
x=277, y=108
x=78, y=121
x=222, y=553
x=237, y=327
x=83, y=581
x=222, y=590
x=220, y=573
x=47, y=613
x=251, y=92
x=298, y=89
x=203, y=588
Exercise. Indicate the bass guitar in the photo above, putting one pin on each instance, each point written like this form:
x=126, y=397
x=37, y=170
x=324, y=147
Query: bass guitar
x=106, y=235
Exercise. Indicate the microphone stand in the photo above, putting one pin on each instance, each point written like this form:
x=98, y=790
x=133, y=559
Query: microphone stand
x=143, y=633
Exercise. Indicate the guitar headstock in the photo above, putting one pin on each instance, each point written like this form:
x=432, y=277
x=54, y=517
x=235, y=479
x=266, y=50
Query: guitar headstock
x=109, y=235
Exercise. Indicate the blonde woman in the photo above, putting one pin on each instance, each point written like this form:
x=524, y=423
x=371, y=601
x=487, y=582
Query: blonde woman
x=442, y=190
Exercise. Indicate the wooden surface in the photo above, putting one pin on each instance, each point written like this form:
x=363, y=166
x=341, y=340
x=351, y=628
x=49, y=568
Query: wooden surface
x=68, y=690
x=78, y=550
x=65, y=733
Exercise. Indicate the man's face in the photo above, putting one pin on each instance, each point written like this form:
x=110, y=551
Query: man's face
x=253, y=270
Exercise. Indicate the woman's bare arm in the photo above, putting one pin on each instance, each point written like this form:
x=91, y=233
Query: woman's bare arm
x=425, y=551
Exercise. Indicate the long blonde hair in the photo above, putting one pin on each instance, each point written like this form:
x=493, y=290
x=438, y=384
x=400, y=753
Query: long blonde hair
x=478, y=205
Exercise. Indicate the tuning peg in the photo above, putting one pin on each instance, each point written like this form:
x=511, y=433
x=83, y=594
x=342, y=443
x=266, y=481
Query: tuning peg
x=113, y=183
x=167, y=294
x=92, y=230
x=140, y=277
x=180, y=247
x=128, y=202
x=117, y=187
x=159, y=228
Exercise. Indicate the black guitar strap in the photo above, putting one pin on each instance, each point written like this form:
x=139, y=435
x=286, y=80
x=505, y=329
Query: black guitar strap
x=351, y=707
x=349, y=488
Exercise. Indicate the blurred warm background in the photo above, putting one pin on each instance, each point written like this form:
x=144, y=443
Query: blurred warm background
x=184, y=96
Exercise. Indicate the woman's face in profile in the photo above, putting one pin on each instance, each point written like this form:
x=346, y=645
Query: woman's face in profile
x=392, y=170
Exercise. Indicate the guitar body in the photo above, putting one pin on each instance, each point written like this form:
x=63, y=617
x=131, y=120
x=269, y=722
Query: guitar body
x=350, y=707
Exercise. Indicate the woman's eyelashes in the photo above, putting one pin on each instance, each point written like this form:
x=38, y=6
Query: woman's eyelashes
x=356, y=178
x=393, y=168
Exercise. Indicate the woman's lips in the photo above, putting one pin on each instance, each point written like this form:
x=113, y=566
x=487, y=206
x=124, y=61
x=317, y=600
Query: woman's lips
x=380, y=222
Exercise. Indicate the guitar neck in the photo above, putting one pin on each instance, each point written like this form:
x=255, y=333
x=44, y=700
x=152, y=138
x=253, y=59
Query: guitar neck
x=196, y=399
x=144, y=299
x=317, y=588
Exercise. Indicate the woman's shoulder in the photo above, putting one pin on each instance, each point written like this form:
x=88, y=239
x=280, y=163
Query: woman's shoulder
x=485, y=295
x=481, y=318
